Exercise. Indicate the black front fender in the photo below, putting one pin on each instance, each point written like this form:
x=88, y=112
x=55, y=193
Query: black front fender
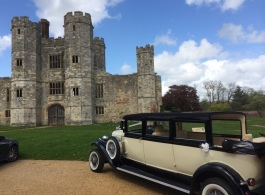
x=218, y=170
x=101, y=145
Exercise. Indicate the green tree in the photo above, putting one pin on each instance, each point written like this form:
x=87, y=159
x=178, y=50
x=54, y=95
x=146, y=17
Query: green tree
x=204, y=104
x=239, y=99
x=256, y=102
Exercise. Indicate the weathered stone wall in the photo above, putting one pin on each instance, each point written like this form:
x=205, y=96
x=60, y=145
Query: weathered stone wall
x=119, y=98
x=5, y=85
x=158, y=91
x=99, y=50
x=51, y=47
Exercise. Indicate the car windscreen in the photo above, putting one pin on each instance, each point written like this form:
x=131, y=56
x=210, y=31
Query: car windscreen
x=134, y=126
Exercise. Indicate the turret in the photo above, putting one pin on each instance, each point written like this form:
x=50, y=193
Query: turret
x=79, y=64
x=146, y=79
x=145, y=59
x=25, y=71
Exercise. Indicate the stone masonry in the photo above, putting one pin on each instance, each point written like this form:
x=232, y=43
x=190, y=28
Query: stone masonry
x=63, y=81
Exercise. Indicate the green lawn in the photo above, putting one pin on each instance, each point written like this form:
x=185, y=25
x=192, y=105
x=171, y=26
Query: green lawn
x=58, y=142
x=73, y=142
x=255, y=125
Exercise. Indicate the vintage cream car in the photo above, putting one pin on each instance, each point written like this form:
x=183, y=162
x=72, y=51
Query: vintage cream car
x=196, y=153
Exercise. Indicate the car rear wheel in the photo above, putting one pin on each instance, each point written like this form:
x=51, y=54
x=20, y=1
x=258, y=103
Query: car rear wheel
x=113, y=148
x=215, y=186
x=96, y=161
x=12, y=154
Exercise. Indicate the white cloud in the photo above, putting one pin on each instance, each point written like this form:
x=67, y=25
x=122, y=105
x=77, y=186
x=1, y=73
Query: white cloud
x=5, y=42
x=231, y=4
x=126, y=69
x=184, y=66
x=223, y=4
x=54, y=11
x=165, y=39
x=200, y=2
x=236, y=33
x=195, y=63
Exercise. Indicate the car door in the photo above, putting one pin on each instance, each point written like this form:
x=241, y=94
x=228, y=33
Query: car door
x=133, y=142
x=186, y=147
x=3, y=150
x=158, y=149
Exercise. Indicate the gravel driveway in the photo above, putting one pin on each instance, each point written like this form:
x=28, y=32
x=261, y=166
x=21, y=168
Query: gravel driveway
x=71, y=177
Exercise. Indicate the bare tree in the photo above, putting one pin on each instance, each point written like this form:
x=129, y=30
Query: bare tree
x=208, y=91
x=219, y=91
x=230, y=89
x=211, y=87
x=216, y=91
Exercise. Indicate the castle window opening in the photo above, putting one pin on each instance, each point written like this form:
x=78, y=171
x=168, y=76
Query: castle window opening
x=8, y=113
x=73, y=27
x=56, y=88
x=7, y=94
x=75, y=59
x=99, y=110
x=75, y=91
x=19, y=92
x=99, y=90
x=18, y=31
x=19, y=62
x=56, y=61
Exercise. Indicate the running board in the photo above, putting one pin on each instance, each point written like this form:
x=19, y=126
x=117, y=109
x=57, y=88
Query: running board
x=175, y=185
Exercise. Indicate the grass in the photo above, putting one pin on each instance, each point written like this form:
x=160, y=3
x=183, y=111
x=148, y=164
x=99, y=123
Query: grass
x=74, y=142
x=256, y=125
x=58, y=142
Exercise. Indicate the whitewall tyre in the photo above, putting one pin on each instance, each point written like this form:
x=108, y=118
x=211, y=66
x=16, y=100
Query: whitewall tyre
x=215, y=186
x=113, y=148
x=96, y=161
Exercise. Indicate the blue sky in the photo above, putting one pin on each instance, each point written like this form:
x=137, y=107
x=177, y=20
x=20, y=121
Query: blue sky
x=195, y=40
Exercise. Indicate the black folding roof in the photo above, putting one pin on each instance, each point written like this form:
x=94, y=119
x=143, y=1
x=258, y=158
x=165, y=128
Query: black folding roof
x=177, y=115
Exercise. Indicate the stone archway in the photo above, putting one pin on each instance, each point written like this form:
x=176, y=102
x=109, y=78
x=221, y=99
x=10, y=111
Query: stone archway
x=56, y=115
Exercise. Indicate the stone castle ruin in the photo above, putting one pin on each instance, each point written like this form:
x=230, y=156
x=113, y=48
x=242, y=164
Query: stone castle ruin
x=63, y=81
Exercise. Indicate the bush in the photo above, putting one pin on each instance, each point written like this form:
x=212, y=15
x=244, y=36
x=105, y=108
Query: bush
x=222, y=107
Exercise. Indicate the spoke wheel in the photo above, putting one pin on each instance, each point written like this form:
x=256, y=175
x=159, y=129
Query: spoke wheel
x=12, y=154
x=113, y=148
x=96, y=161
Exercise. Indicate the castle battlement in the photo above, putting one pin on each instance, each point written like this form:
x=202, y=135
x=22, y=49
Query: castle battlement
x=52, y=42
x=77, y=17
x=5, y=79
x=98, y=41
x=24, y=21
x=148, y=48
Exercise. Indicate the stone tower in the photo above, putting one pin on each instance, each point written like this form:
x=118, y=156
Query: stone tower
x=99, y=51
x=146, y=79
x=25, y=72
x=79, y=66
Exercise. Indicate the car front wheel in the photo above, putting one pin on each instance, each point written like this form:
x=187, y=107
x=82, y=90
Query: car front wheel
x=96, y=161
x=12, y=154
x=215, y=186
x=113, y=148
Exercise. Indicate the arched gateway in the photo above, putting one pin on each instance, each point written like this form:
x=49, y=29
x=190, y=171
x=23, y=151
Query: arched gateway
x=56, y=115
